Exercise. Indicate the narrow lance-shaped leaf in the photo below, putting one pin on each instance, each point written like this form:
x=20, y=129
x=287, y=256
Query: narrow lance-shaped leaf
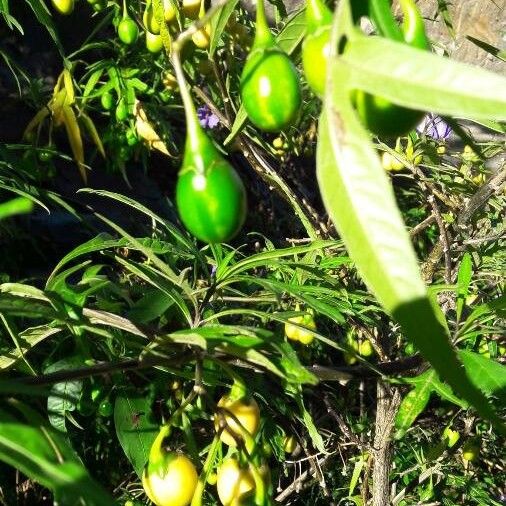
x=423, y=80
x=413, y=404
x=75, y=140
x=360, y=200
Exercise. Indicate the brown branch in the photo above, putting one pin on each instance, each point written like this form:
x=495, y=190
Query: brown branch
x=443, y=238
x=347, y=432
x=388, y=401
x=422, y=226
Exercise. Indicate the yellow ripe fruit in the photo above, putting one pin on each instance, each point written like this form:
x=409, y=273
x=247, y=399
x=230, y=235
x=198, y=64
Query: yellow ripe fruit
x=470, y=451
x=233, y=483
x=154, y=42
x=289, y=444
x=297, y=334
x=191, y=8
x=247, y=413
x=365, y=348
x=291, y=331
x=202, y=37
x=169, y=81
x=169, y=10
x=64, y=7
x=390, y=163
x=173, y=483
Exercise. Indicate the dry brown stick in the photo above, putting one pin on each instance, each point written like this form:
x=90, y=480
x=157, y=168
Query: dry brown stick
x=422, y=225
x=342, y=424
x=443, y=238
x=388, y=400
x=299, y=482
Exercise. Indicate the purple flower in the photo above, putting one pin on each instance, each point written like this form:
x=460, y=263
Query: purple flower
x=434, y=126
x=206, y=118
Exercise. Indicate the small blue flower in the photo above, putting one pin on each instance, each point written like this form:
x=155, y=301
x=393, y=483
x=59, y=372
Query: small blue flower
x=207, y=119
x=434, y=126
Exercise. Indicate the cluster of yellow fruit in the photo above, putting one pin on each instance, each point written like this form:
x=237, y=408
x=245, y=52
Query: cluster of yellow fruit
x=360, y=344
x=170, y=478
x=299, y=328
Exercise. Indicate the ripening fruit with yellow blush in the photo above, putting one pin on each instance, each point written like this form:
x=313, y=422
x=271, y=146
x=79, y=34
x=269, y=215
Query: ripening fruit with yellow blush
x=247, y=413
x=202, y=37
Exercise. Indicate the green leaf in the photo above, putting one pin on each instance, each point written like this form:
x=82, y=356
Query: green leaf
x=315, y=436
x=65, y=395
x=293, y=32
x=422, y=80
x=361, y=203
x=44, y=456
x=135, y=428
x=463, y=279
x=151, y=306
x=240, y=119
x=413, y=404
x=27, y=340
x=20, y=205
x=218, y=24
x=487, y=374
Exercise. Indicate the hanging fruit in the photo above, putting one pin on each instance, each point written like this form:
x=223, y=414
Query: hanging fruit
x=210, y=195
x=128, y=31
x=64, y=7
x=202, y=37
x=316, y=46
x=270, y=88
x=191, y=8
x=169, y=478
x=379, y=115
x=169, y=10
x=149, y=19
x=154, y=43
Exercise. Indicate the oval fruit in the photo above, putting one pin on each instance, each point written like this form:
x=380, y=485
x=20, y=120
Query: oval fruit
x=154, y=43
x=470, y=451
x=128, y=31
x=315, y=53
x=212, y=205
x=149, y=20
x=64, y=7
x=270, y=89
x=107, y=101
x=233, y=483
x=122, y=110
x=172, y=482
x=247, y=413
x=289, y=444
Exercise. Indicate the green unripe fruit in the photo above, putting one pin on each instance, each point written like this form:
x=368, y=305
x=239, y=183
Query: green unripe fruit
x=212, y=205
x=122, y=110
x=154, y=43
x=128, y=31
x=315, y=52
x=107, y=101
x=105, y=408
x=381, y=117
x=270, y=89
